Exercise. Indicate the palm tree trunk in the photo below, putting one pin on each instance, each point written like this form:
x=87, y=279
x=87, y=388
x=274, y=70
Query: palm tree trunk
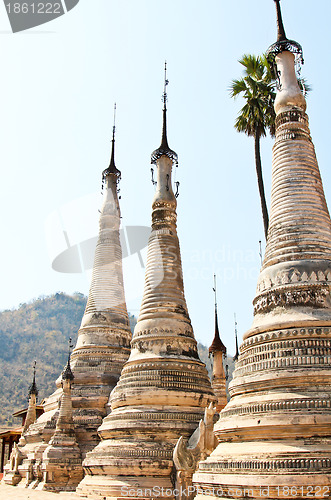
x=258, y=165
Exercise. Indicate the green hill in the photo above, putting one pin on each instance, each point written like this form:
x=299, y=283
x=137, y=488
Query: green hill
x=36, y=331
x=40, y=331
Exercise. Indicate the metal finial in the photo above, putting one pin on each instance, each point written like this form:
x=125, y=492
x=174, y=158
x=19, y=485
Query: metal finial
x=112, y=168
x=114, y=120
x=283, y=43
x=281, y=35
x=166, y=82
x=235, y=357
x=214, y=290
x=164, y=149
x=112, y=159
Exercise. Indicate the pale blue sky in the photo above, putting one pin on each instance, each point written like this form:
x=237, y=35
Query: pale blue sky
x=59, y=82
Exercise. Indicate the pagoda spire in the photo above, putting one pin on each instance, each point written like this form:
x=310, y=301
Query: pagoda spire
x=281, y=36
x=33, y=387
x=164, y=149
x=280, y=393
x=31, y=415
x=112, y=169
x=284, y=67
x=217, y=344
x=67, y=372
x=283, y=43
x=218, y=351
x=164, y=387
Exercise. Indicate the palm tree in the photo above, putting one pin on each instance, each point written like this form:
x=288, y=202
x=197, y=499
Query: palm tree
x=257, y=116
x=258, y=87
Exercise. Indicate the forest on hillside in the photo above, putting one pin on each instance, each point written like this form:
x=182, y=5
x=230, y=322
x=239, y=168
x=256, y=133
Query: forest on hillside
x=40, y=331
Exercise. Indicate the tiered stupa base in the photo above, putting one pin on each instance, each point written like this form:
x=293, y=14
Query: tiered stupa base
x=275, y=432
x=136, y=451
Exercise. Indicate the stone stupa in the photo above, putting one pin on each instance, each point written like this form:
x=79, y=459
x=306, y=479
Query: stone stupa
x=275, y=433
x=12, y=474
x=164, y=388
x=61, y=465
x=102, y=347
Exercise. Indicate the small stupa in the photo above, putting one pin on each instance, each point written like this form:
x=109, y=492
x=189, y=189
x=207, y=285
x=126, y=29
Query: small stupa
x=275, y=433
x=61, y=465
x=12, y=475
x=164, y=388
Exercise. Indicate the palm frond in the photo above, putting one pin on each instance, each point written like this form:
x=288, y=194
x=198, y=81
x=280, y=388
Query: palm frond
x=237, y=87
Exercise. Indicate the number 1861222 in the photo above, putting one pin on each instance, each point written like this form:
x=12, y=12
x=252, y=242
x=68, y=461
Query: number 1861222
x=34, y=8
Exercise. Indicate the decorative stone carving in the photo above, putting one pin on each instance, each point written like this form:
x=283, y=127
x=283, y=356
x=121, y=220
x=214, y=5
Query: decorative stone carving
x=282, y=297
x=187, y=454
x=11, y=473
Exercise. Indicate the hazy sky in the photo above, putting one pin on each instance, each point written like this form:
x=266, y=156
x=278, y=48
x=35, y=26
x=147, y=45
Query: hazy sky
x=58, y=85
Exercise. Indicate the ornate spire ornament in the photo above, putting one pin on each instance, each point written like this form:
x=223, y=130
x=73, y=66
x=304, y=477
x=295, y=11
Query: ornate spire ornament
x=164, y=149
x=164, y=388
x=31, y=415
x=67, y=372
x=276, y=430
x=112, y=170
x=217, y=344
x=281, y=30
x=218, y=351
x=283, y=44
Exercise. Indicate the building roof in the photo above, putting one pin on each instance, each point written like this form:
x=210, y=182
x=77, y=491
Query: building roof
x=10, y=431
x=21, y=413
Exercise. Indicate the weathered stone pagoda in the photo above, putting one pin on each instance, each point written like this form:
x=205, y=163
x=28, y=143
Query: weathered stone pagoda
x=164, y=387
x=275, y=433
x=103, y=343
